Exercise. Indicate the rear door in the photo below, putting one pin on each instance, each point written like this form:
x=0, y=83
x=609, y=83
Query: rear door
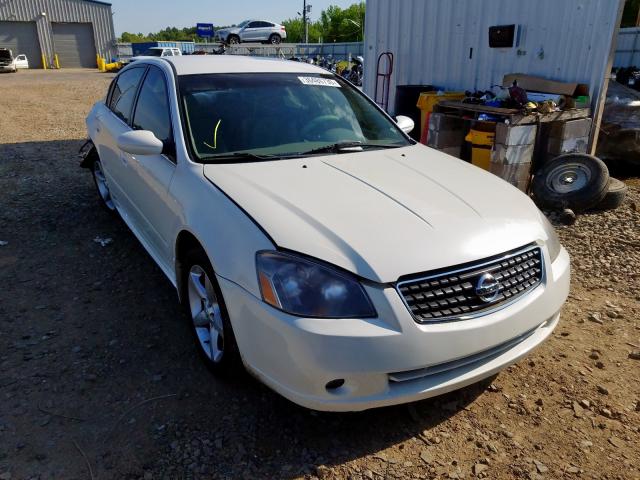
x=264, y=31
x=110, y=123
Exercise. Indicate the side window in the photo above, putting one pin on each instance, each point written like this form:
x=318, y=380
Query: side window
x=253, y=25
x=152, y=109
x=167, y=53
x=124, y=92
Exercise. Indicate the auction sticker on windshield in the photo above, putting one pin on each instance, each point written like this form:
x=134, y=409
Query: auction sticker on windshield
x=322, y=82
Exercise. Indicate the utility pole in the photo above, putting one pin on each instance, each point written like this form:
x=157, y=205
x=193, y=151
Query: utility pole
x=304, y=21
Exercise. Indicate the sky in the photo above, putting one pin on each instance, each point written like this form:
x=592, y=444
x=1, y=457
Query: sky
x=144, y=16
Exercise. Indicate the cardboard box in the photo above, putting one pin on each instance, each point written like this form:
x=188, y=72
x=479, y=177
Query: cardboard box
x=512, y=154
x=517, y=175
x=539, y=84
x=516, y=135
x=559, y=146
x=441, y=121
x=571, y=129
x=445, y=138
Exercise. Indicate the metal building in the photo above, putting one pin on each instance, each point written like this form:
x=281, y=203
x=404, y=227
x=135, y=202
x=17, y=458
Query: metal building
x=445, y=43
x=74, y=31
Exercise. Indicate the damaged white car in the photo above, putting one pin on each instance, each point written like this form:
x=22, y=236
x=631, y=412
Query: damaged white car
x=310, y=239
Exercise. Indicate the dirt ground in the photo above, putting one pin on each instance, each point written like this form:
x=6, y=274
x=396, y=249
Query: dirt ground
x=99, y=377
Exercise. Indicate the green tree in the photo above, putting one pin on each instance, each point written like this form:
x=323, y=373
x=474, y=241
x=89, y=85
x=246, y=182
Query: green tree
x=127, y=37
x=342, y=25
x=295, y=31
x=335, y=25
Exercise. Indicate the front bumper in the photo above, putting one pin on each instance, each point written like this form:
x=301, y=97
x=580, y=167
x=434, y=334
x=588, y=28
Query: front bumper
x=390, y=359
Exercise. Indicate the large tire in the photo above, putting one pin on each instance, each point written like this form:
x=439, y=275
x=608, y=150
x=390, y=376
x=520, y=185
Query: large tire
x=616, y=194
x=208, y=316
x=576, y=181
x=233, y=40
x=275, y=39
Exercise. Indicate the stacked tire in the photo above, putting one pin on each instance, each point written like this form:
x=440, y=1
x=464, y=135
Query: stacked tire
x=578, y=182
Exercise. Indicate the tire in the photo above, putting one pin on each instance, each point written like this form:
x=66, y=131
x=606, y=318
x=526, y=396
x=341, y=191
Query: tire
x=275, y=39
x=576, y=181
x=616, y=193
x=207, y=315
x=233, y=40
x=102, y=187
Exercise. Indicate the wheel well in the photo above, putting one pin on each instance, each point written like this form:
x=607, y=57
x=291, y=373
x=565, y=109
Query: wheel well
x=92, y=156
x=185, y=243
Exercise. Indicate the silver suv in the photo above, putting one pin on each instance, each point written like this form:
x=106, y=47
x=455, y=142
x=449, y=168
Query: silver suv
x=253, y=31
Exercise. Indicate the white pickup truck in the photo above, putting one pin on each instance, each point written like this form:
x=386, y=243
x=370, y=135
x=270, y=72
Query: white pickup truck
x=9, y=63
x=155, y=52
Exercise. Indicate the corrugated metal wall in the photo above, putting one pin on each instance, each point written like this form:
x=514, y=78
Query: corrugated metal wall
x=445, y=42
x=60, y=11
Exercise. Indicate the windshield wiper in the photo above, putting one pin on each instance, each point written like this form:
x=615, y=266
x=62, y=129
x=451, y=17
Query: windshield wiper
x=238, y=157
x=345, y=147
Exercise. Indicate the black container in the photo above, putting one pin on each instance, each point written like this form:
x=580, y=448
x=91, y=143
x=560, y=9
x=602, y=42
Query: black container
x=406, y=104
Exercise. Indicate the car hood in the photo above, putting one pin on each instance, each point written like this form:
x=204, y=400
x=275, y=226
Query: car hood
x=383, y=214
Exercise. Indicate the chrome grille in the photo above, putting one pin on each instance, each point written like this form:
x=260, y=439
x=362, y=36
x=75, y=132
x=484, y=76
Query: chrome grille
x=460, y=293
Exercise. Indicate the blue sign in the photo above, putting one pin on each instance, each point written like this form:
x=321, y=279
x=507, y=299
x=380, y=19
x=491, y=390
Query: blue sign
x=204, y=29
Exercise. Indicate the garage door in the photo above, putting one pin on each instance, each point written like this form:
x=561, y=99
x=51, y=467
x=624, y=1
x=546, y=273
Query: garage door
x=21, y=37
x=73, y=42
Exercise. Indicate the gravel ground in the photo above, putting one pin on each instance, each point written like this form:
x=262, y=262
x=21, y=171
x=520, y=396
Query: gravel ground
x=98, y=376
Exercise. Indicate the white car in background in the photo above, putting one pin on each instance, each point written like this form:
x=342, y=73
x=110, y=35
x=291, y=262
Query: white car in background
x=344, y=265
x=9, y=63
x=253, y=31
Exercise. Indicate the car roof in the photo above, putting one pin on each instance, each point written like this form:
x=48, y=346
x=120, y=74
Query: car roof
x=201, y=64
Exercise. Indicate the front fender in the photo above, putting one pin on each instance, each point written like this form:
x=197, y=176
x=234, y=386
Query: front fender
x=228, y=235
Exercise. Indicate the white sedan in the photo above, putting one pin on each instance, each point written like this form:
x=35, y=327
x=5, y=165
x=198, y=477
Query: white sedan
x=310, y=239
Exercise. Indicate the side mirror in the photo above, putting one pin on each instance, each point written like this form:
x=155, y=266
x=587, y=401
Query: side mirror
x=140, y=142
x=405, y=123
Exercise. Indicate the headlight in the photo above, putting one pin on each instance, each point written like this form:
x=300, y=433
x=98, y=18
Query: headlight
x=304, y=288
x=553, y=242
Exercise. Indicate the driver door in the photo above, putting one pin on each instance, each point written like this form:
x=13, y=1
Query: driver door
x=150, y=176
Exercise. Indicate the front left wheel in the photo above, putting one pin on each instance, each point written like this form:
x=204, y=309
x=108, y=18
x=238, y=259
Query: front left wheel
x=210, y=323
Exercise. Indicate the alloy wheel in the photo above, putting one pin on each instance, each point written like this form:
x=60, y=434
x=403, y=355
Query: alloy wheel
x=206, y=314
x=101, y=184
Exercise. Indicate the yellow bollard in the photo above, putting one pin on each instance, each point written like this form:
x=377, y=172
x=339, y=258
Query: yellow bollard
x=44, y=63
x=56, y=62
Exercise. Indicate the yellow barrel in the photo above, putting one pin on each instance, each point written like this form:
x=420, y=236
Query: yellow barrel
x=427, y=100
x=481, y=145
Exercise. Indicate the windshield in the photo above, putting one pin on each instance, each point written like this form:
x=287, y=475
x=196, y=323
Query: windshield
x=153, y=52
x=242, y=24
x=279, y=114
